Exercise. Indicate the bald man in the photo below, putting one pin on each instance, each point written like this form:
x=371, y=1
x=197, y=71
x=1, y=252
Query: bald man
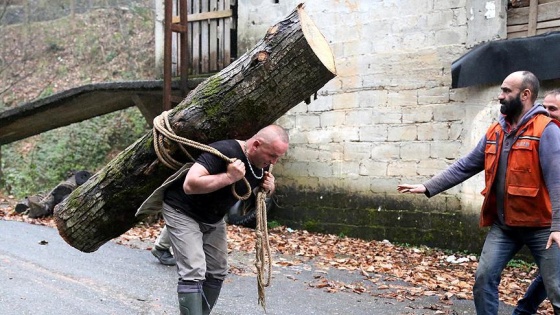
x=195, y=201
x=520, y=155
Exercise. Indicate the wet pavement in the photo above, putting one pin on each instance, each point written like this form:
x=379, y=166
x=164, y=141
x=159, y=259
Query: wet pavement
x=41, y=274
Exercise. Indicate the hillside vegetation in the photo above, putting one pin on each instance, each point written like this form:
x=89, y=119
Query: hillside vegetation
x=42, y=58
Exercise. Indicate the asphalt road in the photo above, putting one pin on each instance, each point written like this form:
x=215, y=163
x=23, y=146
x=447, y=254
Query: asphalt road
x=42, y=275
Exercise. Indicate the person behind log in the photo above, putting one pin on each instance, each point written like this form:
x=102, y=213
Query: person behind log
x=536, y=292
x=162, y=248
x=520, y=155
x=194, y=205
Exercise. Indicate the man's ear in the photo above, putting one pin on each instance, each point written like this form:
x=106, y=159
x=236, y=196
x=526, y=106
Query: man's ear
x=526, y=95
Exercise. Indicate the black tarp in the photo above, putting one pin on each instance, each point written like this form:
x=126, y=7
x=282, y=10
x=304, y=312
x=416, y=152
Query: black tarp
x=491, y=62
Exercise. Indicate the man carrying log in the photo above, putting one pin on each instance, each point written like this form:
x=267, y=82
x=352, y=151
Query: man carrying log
x=195, y=200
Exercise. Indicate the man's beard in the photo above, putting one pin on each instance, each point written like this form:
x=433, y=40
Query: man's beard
x=512, y=108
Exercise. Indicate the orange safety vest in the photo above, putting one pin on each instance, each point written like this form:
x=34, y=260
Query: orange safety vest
x=526, y=199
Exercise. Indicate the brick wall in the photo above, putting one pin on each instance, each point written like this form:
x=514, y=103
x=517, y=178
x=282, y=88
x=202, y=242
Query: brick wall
x=389, y=117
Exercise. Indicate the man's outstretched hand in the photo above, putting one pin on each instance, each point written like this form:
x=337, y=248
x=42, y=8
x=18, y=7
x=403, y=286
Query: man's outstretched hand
x=413, y=189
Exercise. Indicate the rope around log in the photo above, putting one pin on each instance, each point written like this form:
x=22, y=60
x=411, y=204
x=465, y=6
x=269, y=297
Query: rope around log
x=163, y=133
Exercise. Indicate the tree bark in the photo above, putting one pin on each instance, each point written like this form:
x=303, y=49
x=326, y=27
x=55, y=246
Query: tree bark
x=291, y=63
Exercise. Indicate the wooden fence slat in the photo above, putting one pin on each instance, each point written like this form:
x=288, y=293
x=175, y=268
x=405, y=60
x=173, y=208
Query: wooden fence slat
x=209, y=31
x=206, y=16
x=175, y=46
x=227, y=22
x=532, y=25
x=220, y=36
x=190, y=37
x=212, y=39
x=204, y=40
x=545, y=12
x=196, y=59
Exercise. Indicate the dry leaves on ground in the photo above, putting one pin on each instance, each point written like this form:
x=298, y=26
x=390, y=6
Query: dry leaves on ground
x=388, y=270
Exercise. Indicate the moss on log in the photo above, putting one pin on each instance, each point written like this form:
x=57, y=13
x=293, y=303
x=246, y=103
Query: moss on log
x=291, y=63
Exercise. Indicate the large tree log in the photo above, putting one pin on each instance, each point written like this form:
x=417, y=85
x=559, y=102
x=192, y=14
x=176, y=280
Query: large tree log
x=290, y=64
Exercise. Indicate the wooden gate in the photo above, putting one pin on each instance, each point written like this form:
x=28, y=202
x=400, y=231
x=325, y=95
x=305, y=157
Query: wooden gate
x=532, y=17
x=210, y=28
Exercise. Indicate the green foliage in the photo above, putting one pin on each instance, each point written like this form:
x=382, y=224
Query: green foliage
x=48, y=91
x=518, y=263
x=273, y=224
x=88, y=145
x=311, y=226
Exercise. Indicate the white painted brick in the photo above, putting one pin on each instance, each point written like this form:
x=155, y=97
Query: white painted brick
x=372, y=98
x=287, y=121
x=345, y=133
x=321, y=104
x=299, y=108
x=403, y=98
x=373, y=133
x=331, y=152
x=445, y=149
x=346, y=169
x=385, y=151
x=345, y=101
x=356, y=47
x=361, y=185
x=460, y=16
x=306, y=122
x=295, y=168
x=439, y=20
x=305, y=153
x=433, y=131
x=359, y=117
x=354, y=151
x=352, y=82
x=402, y=133
x=452, y=36
x=387, y=115
x=437, y=95
x=456, y=130
x=449, y=4
x=418, y=114
x=425, y=132
x=380, y=185
x=319, y=136
x=450, y=112
x=431, y=167
x=332, y=119
x=414, y=151
x=373, y=168
x=402, y=168
x=320, y=169
x=297, y=137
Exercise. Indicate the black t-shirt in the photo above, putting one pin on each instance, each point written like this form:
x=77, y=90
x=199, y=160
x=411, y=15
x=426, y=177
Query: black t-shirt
x=211, y=207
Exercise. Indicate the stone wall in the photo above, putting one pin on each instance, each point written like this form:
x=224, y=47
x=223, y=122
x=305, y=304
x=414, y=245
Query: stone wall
x=389, y=117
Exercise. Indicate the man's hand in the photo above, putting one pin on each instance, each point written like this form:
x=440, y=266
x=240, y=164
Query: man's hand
x=554, y=237
x=236, y=170
x=268, y=183
x=413, y=189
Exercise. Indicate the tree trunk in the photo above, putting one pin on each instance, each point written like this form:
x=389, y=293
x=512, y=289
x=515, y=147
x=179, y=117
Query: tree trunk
x=290, y=64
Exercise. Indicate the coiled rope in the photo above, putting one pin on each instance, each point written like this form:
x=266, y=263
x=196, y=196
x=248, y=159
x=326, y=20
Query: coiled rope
x=163, y=134
x=263, y=260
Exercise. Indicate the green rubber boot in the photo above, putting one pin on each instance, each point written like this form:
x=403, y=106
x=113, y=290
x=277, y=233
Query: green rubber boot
x=211, y=288
x=190, y=298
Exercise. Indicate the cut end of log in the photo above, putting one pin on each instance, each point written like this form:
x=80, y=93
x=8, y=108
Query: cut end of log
x=316, y=40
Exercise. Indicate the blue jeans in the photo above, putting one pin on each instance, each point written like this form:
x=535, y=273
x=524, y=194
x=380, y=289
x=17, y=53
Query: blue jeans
x=534, y=296
x=499, y=248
